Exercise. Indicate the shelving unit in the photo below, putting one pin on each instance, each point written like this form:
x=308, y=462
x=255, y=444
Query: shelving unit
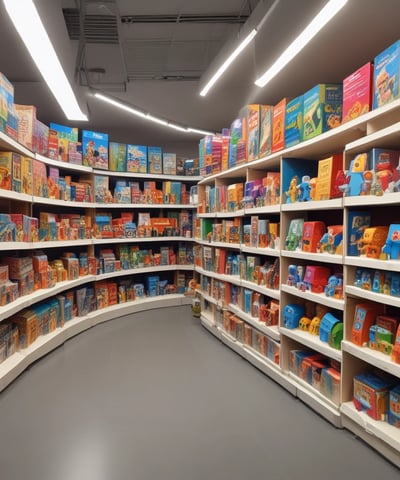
x=12, y=201
x=378, y=128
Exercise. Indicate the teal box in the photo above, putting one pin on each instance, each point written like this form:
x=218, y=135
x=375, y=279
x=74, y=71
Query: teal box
x=117, y=157
x=294, y=122
x=322, y=109
x=386, y=75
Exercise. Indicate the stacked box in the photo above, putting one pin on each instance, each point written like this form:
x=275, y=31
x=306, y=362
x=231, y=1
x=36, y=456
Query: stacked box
x=357, y=92
x=39, y=173
x=322, y=109
x=253, y=132
x=386, y=75
x=75, y=153
x=294, y=122
x=95, y=149
x=27, y=323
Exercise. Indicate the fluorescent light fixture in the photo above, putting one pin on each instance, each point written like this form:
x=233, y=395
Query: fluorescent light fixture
x=148, y=116
x=121, y=105
x=32, y=32
x=228, y=61
x=319, y=21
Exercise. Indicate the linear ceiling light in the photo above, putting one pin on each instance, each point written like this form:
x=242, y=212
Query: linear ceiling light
x=319, y=21
x=148, y=116
x=32, y=32
x=228, y=61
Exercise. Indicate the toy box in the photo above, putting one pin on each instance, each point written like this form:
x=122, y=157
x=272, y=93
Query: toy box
x=364, y=317
x=328, y=169
x=315, y=278
x=312, y=233
x=40, y=137
x=328, y=322
x=294, y=234
x=296, y=358
x=6, y=168
x=371, y=395
x=95, y=149
x=265, y=147
x=75, y=153
x=310, y=364
x=394, y=406
x=39, y=179
x=238, y=142
x=322, y=109
x=292, y=314
x=169, y=163
x=136, y=158
x=357, y=92
x=278, y=125
x=27, y=323
x=330, y=384
x=154, y=158
x=294, y=122
x=372, y=241
x=65, y=135
x=117, y=157
x=26, y=124
x=386, y=75
x=384, y=164
x=253, y=132
x=357, y=222
x=6, y=97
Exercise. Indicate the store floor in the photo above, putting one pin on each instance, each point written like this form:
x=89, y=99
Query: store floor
x=156, y=397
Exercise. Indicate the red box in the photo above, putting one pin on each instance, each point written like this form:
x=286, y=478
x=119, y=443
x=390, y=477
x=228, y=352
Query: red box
x=357, y=92
x=312, y=233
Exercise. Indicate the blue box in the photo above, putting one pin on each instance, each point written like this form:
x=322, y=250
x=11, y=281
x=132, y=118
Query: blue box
x=136, y=158
x=294, y=122
x=357, y=222
x=154, y=157
x=95, y=149
x=386, y=75
x=322, y=109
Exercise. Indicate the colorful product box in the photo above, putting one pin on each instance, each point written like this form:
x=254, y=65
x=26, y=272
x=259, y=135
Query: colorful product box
x=52, y=144
x=237, y=141
x=117, y=157
x=6, y=166
x=278, y=125
x=75, y=153
x=394, y=407
x=26, y=124
x=6, y=97
x=384, y=163
x=322, y=109
x=154, y=158
x=226, y=138
x=265, y=130
x=40, y=138
x=39, y=178
x=330, y=384
x=328, y=169
x=65, y=135
x=294, y=122
x=95, y=149
x=371, y=395
x=136, y=158
x=358, y=221
x=357, y=93
x=253, y=132
x=386, y=75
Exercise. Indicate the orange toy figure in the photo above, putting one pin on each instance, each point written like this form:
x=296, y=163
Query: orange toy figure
x=372, y=241
x=291, y=193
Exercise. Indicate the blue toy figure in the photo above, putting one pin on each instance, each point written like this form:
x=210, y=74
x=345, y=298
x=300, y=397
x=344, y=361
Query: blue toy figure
x=291, y=275
x=292, y=314
x=304, y=189
x=392, y=245
x=334, y=282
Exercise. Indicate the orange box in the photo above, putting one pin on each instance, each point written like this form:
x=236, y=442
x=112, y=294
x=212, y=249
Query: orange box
x=27, y=323
x=27, y=183
x=328, y=169
x=278, y=125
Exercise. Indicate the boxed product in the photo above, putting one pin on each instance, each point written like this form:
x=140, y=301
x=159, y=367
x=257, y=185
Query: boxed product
x=371, y=395
x=154, y=158
x=6, y=167
x=386, y=75
x=136, y=158
x=358, y=221
x=169, y=163
x=329, y=385
x=26, y=124
x=6, y=99
x=52, y=144
x=40, y=137
x=394, y=406
x=328, y=169
x=294, y=122
x=384, y=163
x=75, y=153
x=226, y=138
x=27, y=323
x=65, y=135
x=253, y=132
x=117, y=157
x=278, y=125
x=357, y=92
x=95, y=149
x=39, y=172
x=265, y=130
x=322, y=109
x=238, y=142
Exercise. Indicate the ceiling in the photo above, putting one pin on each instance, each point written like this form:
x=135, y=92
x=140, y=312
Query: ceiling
x=155, y=55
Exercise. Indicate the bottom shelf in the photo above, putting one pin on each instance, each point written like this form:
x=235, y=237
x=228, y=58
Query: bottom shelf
x=379, y=435
x=13, y=366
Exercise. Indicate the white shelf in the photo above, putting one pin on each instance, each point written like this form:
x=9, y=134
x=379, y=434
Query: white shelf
x=13, y=246
x=374, y=297
x=312, y=341
x=314, y=297
x=316, y=401
x=65, y=165
x=272, y=252
x=61, y=203
x=380, y=435
x=269, y=331
x=207, y=322
x=384, y=137
x=9, y=143
x=11, y=195
x=236, y=213
x=102, y=241
x=266, y=209
x=61, y=244
x=269, y=292
x=149, y=176
x=143, y=206
x=368, y=200
x=315, y=257
x=374, y=358
x=136, y=271
x=334, y=204
x=393, y=265
x=235, y=172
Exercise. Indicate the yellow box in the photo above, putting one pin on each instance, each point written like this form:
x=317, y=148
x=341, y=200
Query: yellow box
x=327, y=171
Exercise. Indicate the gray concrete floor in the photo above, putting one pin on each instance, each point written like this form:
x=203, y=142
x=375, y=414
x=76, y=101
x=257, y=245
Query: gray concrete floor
x=156, y=397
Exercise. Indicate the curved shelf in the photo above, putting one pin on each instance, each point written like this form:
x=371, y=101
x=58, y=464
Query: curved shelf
x=102, y=241
x=334, y=204
x=374, y=358
x=137, y=271
x=263, y=210
x=368, y=200
x=269, y=331
x=143, y=206
x=314, y=297
x=269, y=292
x=386, y=138
x=272, y=252
x=11, y=195
x=148, y=176
x=312, y=341
x=374, y=297
x=60, y=203
x=13, y=366
x=316, y=257
x=9, y=143
x=64, y=165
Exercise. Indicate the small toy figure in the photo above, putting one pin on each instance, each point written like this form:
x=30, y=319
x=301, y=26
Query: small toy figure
x=392, y=245
x=372, y=241
x=291, y=193
x=291, y=275
x=334, y=287
x=304, y=189
x=196, y=306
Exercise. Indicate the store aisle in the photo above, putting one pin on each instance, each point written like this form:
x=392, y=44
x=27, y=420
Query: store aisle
x=156, y=397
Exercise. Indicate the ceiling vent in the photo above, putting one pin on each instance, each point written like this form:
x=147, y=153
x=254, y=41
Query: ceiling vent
x=96, y=28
